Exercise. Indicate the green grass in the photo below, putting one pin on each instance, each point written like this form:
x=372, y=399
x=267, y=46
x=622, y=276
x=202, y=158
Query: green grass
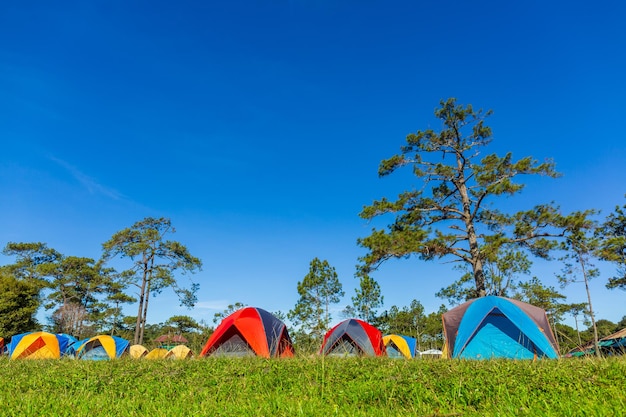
x=312, y=387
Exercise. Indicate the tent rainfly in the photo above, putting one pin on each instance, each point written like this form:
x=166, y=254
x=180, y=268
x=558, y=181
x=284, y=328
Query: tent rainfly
x=39, y=345
x=611, y=345
x=137, y=351
x=353, y=337
x=399, y=346
x=498, y=327
x=102, y=347
x=249, y=331
x=156, y=353
x=179, y=352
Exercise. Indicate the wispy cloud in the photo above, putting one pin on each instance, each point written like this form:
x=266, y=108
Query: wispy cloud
x=86, y=181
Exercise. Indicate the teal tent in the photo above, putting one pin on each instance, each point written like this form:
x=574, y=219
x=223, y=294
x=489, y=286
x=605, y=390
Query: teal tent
x=498, y=327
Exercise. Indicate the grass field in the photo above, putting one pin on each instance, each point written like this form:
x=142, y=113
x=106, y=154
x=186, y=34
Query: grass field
x=313, y=387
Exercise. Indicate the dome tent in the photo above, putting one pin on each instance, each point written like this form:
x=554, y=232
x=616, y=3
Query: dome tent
x=179, y=352
x=137, y=351
x=353, y=337
x=102, y=347
x=249, y=331
x=498, y=327
x=156, y=353
x=399, y=346
x=39, y=345
x=611, y=345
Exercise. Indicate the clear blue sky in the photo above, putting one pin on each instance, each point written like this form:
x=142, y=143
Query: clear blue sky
x=257, y=126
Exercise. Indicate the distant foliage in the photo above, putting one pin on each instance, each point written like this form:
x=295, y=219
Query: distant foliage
x=18, y=305
x=613, y=245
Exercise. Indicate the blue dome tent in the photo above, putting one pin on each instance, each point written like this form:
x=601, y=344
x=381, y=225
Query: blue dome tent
x=498, y=327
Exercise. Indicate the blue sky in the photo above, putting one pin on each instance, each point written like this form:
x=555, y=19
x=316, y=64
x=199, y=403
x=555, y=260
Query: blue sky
x=257, y=126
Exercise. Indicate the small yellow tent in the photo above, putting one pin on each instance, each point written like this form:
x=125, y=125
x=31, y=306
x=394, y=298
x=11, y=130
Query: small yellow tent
x=137, y=351
x=400, y=346
x=179, y=352
x=157, y=353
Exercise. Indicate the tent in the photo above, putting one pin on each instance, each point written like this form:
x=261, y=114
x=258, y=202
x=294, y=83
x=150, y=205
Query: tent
x=179, y=352
x=431, y=353
x=73, y=348
x=156, y=353
x=65, y=342
x=137, y=351
x=611, y=345
x=248, y=332
x=399, y=346
x=39, y=345
x=353, y=337
x=498, y=327
x=102, y=347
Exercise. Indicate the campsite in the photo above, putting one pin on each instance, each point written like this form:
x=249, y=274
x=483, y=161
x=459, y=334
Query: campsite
x=312, y=208
x=248, y=366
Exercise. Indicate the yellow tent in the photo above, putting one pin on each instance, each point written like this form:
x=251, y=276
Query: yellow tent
x=37, y=345
x=179, y=352
x=102, y=347
x=397, y=345
x=137, y=351
x=157, y=353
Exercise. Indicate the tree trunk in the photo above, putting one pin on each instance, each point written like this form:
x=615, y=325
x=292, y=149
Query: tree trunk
x=580, y=342
x=144, y=314
x=475, y=259
x=142, y=295
x=593, y=320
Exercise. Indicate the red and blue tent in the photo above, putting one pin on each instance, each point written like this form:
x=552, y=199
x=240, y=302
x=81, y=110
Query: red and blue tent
x=353, y=337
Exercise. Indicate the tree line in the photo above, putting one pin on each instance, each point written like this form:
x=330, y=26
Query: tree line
x=87, y=295
x=448, y=213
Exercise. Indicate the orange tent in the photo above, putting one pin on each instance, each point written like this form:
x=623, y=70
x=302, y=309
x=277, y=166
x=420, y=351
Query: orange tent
x=248, y=332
